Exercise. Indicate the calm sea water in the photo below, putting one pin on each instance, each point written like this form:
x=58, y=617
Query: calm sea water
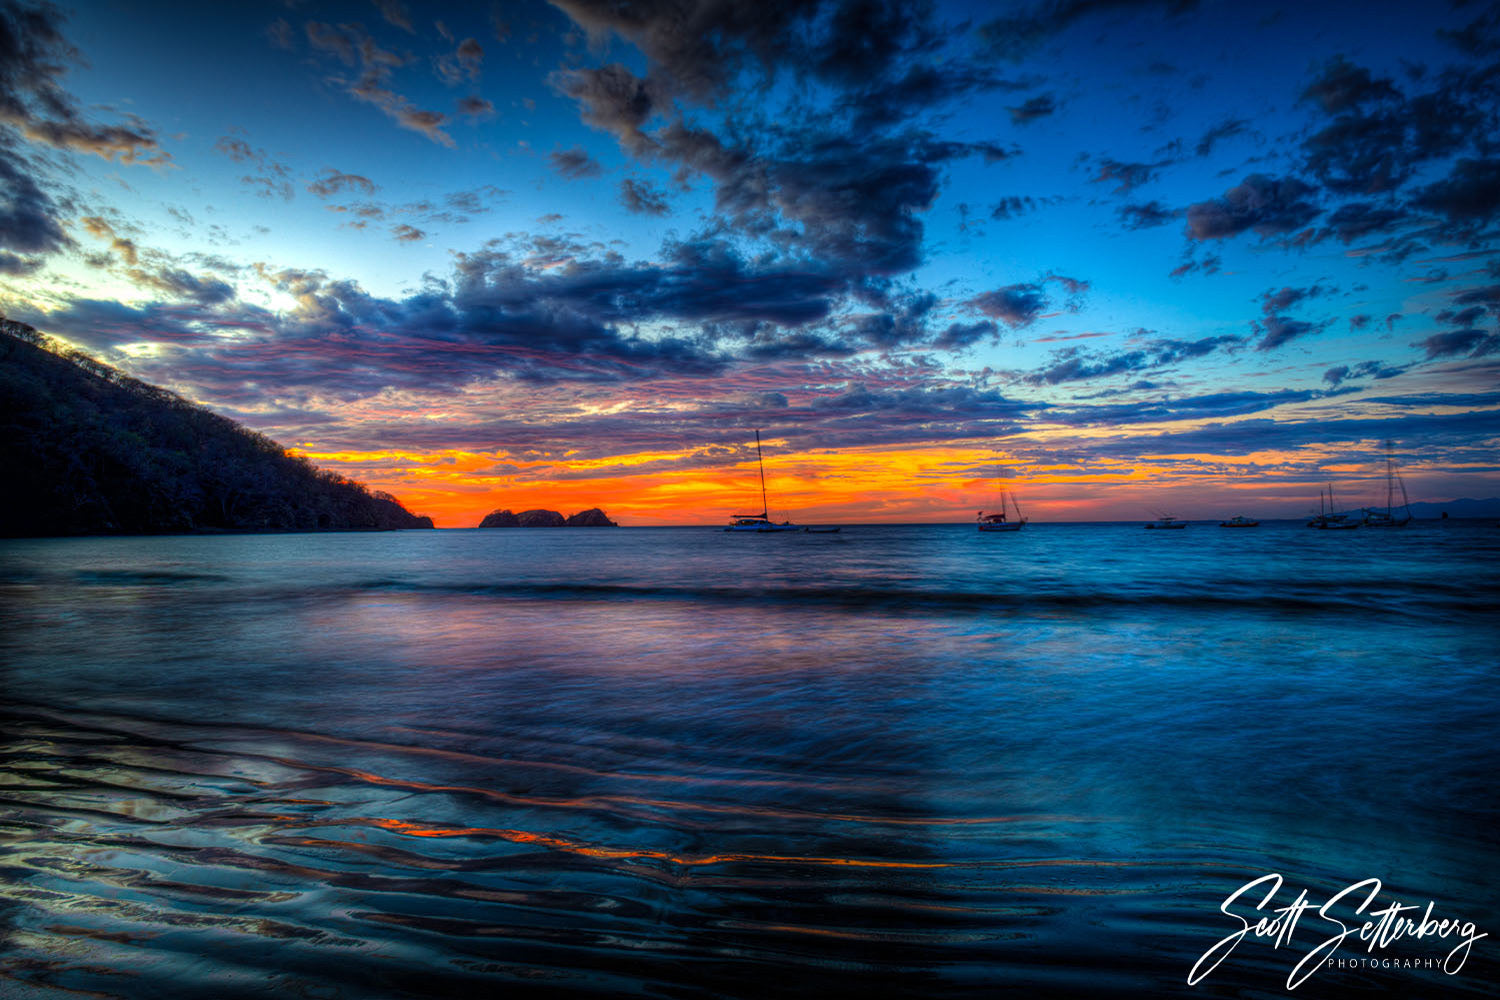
x=913, y=761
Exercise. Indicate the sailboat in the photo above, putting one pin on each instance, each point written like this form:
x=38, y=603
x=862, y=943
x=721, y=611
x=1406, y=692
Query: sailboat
x=761, y=521
x=1330, y=519
x=1387, y=518
x=997, y=521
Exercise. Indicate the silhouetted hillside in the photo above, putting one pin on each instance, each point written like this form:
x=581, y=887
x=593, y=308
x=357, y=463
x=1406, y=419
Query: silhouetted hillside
x=86, y=449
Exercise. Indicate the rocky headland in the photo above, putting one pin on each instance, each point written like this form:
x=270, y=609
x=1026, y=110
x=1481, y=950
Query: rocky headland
x=591, y=518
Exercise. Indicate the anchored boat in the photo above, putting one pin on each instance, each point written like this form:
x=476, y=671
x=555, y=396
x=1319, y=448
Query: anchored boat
x=761, y=521
x=1388, y=518
x=1331, y=519
x=997, y=521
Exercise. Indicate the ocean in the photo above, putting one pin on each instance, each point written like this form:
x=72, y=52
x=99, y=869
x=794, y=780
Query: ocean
x=673, y=762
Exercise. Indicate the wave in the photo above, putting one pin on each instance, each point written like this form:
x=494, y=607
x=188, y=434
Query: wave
x=1347, y=599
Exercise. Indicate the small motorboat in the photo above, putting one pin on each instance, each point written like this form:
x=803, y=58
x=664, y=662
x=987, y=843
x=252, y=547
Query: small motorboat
x=1166, y=521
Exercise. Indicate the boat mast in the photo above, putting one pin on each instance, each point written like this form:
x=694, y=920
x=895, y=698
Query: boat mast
x=765, y=508
x=1390, y=480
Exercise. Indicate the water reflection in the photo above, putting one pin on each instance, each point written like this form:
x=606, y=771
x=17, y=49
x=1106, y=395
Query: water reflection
x=354, y=766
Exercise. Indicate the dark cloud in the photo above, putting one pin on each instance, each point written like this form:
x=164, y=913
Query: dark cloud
x=919, y=89
x=1210, y=406
x=28, y=215
x=1278, y=330
x=613, y=100
x=1427, y=399
x=1461, y=317
x=1022, y=304
x=1208, y=264
x=1356, y=220
x=1014, y=205
x=331, y=182
x=1014, y=305
x=1342, y=86
x=847, y=181
x=352, y=45
x=1146, y=216
x=1469, y=194
x=696, y=50
x=1076, y=365
x=642, y=197
x=1470, y=343
x=124, y=246
x=1279, y=300
x=16, y=266
x=1029, y=111
x=1378, y=370
x=1126, y=176
x=1379, y=136
x=273, y=179
x=1220, y=132
x=539, y=314
x=34, y=58
x=575, y=163
x=959, y=336
x=1480, y=38
x=1244, y=437
x=855, y=202
x=1268, y=205
x=904, y=324
x=474, y=201
x=206, y=290
x=408, y=234
x=463, y=64
x=859, y=406
x=475, y=106
x=395, y=13
x=1021, y=32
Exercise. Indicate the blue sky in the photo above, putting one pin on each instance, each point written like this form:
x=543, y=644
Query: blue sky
x=1135, y=254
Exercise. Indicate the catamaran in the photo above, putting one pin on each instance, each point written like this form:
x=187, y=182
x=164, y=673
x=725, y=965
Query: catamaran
x=997, y=521
x=1240, y=521
x=1166, y=521
x=1388, y=518
x=761, y=521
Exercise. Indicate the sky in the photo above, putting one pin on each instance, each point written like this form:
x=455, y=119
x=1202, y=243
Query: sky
x=1119, y=258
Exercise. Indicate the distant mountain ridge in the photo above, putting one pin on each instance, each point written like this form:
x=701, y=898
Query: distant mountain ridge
x=1466, y=507
x=86, y=449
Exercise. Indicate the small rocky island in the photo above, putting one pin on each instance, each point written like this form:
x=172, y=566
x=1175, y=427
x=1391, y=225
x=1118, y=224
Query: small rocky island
x=591, y=518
